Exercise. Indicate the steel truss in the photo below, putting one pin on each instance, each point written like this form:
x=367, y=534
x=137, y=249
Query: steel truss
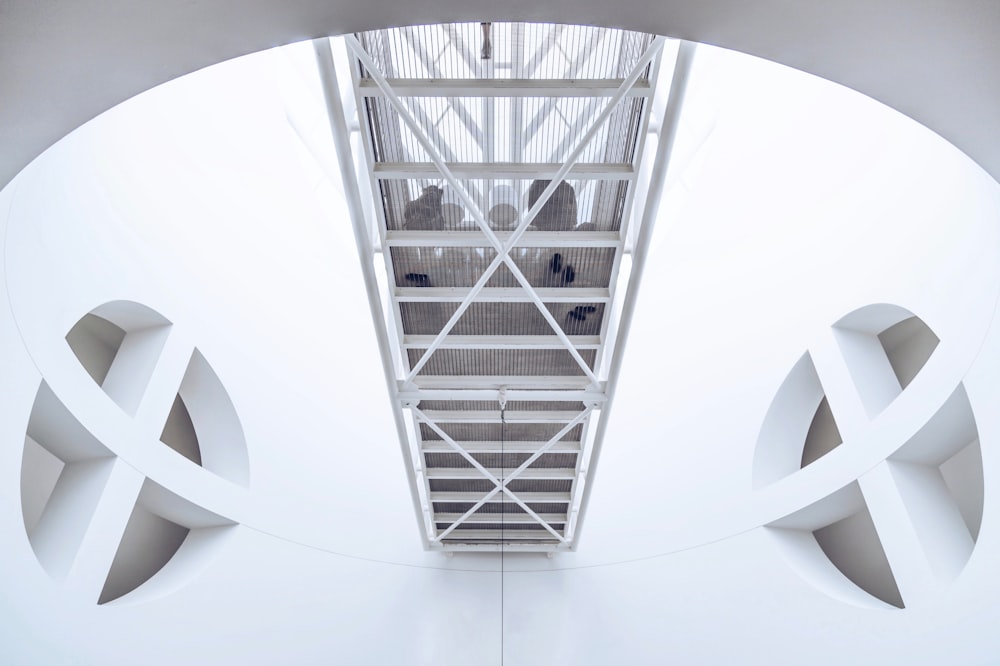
x=482, y=476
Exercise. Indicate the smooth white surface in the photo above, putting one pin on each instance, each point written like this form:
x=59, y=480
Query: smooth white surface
x=62, y=64
x=804, y=204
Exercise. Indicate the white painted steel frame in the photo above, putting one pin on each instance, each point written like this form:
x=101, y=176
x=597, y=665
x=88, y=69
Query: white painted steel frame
x=501, y=486
x=668, y=132
x=440, y=87
x=342, y=144
x=408, y=394
x=546, y=239
x=501, y=342
x=502, y=249
x=498, y=170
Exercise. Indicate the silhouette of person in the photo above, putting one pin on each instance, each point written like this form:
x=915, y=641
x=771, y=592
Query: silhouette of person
x=559, y=212
x=424, y=213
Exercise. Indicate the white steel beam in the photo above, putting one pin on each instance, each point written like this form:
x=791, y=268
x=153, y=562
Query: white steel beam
x=422, y=418
x=661, y=163
x=473, y=238
x=495, y=547
x=582, y=416
x=502, y=295
x=503, y=250
x=534, y=498
x=528, y=510
x=549, y=382
x=493, y=416
x=520, y=535
x=517, y=446
x=540, y=393
x=509, y=518
x=501, y=342
x=611, y=318
x=355, y=208
x=501, y=170
x=569, y=87
x=500, y=487
x=558, y=473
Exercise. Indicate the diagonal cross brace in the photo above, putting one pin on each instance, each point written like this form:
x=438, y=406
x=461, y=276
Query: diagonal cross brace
x=503, y=250
x=502, y=485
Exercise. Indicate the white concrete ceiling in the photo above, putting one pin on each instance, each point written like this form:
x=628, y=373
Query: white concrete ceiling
x=63, y=63
x=853, y=208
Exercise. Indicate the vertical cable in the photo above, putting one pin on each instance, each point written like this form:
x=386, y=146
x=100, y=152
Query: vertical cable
x=503, y=499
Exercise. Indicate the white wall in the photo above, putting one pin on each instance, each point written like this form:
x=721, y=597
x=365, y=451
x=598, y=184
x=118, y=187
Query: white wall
x=804, y=204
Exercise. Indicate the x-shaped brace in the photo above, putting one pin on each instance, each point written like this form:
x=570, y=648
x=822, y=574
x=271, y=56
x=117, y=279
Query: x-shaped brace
x=501, y=486
x=503, y=250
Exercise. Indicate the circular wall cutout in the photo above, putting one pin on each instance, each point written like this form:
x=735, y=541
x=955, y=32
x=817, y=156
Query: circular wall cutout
x=893, y=535
x=92, y=518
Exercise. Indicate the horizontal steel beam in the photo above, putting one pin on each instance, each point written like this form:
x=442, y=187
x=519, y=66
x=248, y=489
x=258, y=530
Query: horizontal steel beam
x=502, y=295
x=516, y=547
x=503, y=87
x=475, y=238
x=509, y=519
x=493, y=416
x=520, y=446
x=506, y=534
x=560, y=473
x=551, y=382
x=528, y=498
x=492, y=393
x=502, y=171
x=501, y=342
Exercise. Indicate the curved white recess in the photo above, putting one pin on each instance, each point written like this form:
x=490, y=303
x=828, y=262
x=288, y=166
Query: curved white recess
x=742, y=281
x=823, y=192
x=932, y=61
x=95, y=520
x=908, y=524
